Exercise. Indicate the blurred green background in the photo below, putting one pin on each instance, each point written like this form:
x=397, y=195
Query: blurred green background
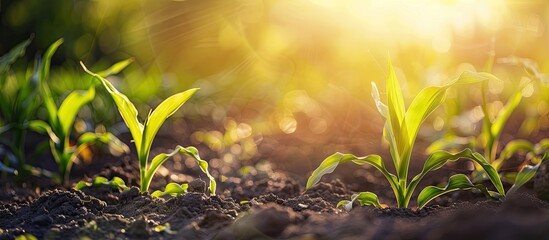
x=299, y=67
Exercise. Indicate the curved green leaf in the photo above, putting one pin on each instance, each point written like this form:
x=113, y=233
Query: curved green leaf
x=504, y=114
x=421, y=107
x=469, y=77
x=125, y=107
x=71, y=106
x=115, y=68
x=16, y=52
x=526, y=174
x=42, y=127
x=189, y=151
x=439, y=158
x=363, y=198
x=99, y=180
x=160, y=114
x=388, y=131
x=172, y=189
x=329, y=164
x=512, y=148
x=456, y=182
x=42, y=77
x=115, y=145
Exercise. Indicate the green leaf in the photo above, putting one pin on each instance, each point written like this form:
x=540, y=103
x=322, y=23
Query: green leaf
x=115, y=68
x=81, y=185
x=71, y=106
x=449, y=142
x=526, y=174
x=468, y=77
x=388, y=131
x=42, y=127
x=125, y=107
x=456, y=182
x=363, y=198
x=421, y=107
x=504, y=114
x=189, y=151
x=329, y=164
x=439, y=158
x=115, y=145
x=395, y=103
x=99, y=180
x=16, y=52
x=42, y=77
x=512, y=148
x=160, y=114
x=172, y=189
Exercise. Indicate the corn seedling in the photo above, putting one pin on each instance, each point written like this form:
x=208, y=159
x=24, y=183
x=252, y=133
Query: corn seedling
x=492, y=129
x=60, y=121
x=400, y=130
x=18, y=104
x=172, y=189
x=143, y=134
x=98, y=181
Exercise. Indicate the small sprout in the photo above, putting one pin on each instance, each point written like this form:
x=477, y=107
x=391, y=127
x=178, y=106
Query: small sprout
x=243, y=202
x=172, y=189
x=164, y=228
x=144, y=133
x=116, y=182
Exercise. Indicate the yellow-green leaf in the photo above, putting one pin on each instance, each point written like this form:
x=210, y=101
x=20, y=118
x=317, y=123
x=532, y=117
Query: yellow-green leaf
x=189, y=151
x=125, y=107
x=70, y=107
x=160, y=114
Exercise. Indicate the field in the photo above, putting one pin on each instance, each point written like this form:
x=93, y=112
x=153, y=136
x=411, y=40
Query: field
x=274, y=119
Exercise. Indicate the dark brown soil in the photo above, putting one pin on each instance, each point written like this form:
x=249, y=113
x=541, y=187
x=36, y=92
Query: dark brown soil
x=267, y=201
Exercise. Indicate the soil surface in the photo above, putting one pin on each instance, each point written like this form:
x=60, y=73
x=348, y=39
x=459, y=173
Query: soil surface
x=264, y=200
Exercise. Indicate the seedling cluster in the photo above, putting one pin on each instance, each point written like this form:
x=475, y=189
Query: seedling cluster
x=24, y=94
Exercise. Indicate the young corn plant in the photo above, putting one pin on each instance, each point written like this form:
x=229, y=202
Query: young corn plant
x=143, y=134
x=18, y=105
x=400, y=130
x=492, y=128
x=61, y=119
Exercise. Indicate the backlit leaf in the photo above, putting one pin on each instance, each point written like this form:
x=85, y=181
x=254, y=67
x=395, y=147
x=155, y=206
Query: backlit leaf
x=456, y=182
x=125, y=107
x=329, y=164
x=363, y=198
x=70, y=107
x=160, y=114
x=189, y=151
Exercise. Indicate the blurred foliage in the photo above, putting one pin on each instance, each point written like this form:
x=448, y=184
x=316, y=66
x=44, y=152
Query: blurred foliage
x=298, y=67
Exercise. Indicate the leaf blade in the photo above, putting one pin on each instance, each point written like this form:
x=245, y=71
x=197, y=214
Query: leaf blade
x=71, y=106
x=189, y=151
